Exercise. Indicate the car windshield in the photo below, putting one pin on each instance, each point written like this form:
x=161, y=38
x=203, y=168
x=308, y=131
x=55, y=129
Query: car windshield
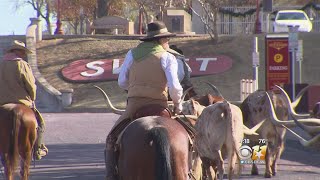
x=291, y=16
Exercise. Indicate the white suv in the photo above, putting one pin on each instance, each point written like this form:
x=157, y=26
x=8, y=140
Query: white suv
x=285, y=18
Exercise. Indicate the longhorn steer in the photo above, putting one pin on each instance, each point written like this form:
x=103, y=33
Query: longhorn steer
x=313, y=131
x=256, y=108
x=217, y=128
x=309, y=125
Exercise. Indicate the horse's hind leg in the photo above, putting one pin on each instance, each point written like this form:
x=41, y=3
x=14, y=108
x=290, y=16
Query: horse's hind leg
x=25, y=151
x=8, y=170
x=25, y=164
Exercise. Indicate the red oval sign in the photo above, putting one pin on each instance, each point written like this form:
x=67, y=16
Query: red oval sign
x=87, y=70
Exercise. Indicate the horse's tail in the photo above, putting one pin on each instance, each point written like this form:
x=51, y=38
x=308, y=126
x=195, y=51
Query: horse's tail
x=160, y=139
x=13, y=154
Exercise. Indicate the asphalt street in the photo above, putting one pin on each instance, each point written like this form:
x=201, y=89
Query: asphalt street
x=76, y=142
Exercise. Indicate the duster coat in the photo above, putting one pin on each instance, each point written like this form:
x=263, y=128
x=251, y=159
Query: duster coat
x=17, y=82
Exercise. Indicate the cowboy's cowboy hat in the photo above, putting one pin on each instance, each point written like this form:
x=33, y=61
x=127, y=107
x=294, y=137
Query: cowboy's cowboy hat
x=157, y=29
x=18, y=45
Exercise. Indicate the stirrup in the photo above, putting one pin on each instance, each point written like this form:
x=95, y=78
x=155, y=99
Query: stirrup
x=44, y=148
x=41, y=152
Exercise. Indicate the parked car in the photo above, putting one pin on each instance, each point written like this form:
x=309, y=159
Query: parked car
x=285, y=18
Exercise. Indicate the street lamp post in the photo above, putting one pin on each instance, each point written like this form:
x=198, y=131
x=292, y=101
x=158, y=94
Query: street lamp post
x=58, y=29
x=257, y=23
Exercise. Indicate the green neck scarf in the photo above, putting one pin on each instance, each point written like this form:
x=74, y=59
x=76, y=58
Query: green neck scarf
x=146, y=48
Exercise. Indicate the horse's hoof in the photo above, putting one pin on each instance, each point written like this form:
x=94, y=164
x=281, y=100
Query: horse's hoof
x=267, y=175
x=274, y=172
x=254, y=172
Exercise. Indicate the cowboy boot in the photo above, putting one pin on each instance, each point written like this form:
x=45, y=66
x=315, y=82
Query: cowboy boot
x=41, y=149
x=110, y=158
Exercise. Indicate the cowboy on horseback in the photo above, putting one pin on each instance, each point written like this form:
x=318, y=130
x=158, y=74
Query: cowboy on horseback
x=18, y=86
x=148, y=73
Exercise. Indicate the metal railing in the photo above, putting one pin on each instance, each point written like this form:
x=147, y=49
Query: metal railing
x=247, y=86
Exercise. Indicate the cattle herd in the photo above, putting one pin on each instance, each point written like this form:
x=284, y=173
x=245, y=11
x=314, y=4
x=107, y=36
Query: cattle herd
x=223, y=127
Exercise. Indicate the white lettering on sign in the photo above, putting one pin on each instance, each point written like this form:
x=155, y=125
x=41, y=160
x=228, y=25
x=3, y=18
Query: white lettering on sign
x=205, y=62
x=116, y=66
x=278, y=68
x=92, y=66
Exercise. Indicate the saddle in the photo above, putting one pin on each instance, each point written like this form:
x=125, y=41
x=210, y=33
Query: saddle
x=152, y=110
x=147, y=110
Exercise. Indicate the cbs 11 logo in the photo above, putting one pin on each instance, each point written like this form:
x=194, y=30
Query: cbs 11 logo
x=255, y=154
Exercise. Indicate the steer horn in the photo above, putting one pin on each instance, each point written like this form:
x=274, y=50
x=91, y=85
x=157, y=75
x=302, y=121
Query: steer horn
x=299, y=96
x=274, y=119
x=182, y=97
x=312, y=130
x=215, y=89
x=290, y=105
x=115, y=110
x=253, y=130
x=315, y=141
x=185, y=93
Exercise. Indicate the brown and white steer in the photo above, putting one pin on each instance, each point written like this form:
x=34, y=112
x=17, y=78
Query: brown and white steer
x=256, y=108
x=217, y=128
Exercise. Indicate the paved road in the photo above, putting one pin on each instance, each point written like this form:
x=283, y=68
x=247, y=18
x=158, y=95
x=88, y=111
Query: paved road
x=76, y=143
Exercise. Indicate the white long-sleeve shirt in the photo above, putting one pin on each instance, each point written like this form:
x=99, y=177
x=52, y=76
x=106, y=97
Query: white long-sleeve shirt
x=169, y=65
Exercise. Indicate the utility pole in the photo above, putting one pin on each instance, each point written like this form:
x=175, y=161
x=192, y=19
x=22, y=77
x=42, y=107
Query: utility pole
x=257, y=22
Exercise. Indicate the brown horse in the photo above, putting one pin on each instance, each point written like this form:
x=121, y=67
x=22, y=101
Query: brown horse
x=154, y=148
x=17, y=137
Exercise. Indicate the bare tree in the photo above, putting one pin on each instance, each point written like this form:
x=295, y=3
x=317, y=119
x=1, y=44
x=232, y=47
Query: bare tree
x=210, y=15
x=42, y=7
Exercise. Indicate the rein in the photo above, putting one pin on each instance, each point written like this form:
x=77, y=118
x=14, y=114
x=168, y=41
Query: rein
x=190, y=129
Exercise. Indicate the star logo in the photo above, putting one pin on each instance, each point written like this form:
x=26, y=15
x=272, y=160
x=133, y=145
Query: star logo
x=259, y=152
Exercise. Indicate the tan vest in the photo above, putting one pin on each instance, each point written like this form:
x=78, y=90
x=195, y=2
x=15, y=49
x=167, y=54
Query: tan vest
x=147, y=78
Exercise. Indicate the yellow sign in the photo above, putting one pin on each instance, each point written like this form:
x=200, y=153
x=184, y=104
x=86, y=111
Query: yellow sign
x=278, y=58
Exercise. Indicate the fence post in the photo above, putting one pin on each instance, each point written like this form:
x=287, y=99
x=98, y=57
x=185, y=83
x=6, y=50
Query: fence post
x=247, y=86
